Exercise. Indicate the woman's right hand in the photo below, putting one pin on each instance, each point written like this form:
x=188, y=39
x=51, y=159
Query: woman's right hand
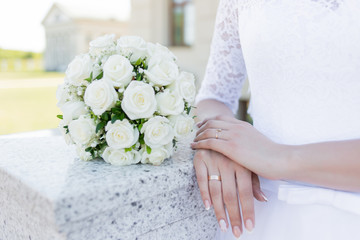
x=237, y=183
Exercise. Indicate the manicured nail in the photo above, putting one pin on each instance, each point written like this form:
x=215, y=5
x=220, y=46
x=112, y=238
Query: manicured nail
x=264, y=197
x=249, y=225
x=198, y=124
x=237, y=232
x=207, y=205
x=222, y=224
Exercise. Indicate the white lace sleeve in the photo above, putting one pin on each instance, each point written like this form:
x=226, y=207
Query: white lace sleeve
x=225, y=72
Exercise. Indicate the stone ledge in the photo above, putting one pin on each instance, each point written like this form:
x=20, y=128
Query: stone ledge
x=49, y=194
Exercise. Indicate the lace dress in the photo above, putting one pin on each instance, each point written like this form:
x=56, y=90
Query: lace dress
x=302, y=59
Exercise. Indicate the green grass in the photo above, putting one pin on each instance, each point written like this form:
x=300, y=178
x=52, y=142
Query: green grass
x=29, y=75
x=27, y=109
x=10, y=54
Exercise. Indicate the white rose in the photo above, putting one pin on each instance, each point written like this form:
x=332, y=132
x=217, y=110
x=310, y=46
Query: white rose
x=79, y=69
x=136, y=46
x=182, y=125
x=82, y=130
x=185, y=85
x=169, y=103
x=121, y=134
x=158, y=49
x=118, y=71
x=83, y=155
x=156, y=157
x=62, y=95
x=102, y=43
x=157, y=132
x=119, y=157
x=100, y=96
x=139, y=100
x=73, y=110
x=162, y=71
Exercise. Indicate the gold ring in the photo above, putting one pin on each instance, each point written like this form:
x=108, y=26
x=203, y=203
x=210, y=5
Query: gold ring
x=215, y=177
x=217, y=133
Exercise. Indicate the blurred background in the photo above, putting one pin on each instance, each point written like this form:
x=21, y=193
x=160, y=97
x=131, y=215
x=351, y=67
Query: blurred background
x=39, y=38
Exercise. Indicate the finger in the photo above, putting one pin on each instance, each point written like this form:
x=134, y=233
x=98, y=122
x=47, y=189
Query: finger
x=213, y=133
x=207, y=119
x=217, y=145
x=202, y=177
x=217, y=199
x=231, y=200
x=219, y=117
x=214, y=124
x=244, y=184
x=258, y=194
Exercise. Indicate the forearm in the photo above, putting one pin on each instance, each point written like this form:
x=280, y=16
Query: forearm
x=209, y=108
x=328, y=164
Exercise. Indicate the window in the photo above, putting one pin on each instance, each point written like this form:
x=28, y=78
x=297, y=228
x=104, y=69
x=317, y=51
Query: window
x=182, y=23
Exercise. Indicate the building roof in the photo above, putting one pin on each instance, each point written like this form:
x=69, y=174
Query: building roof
x=101, y=10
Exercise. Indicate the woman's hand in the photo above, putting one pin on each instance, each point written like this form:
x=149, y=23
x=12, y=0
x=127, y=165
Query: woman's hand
x=241, y=142
x=234, y=179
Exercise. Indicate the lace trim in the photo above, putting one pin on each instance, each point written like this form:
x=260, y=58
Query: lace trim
x=225, y=72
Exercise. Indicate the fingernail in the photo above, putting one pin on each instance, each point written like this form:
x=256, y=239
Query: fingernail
x=237, y=232
x=198, y=124
x=264, y=197
x=207, y=205
x=249, y=225
x=222, y=224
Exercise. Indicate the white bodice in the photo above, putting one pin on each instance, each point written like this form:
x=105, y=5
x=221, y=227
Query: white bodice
x=302, y=59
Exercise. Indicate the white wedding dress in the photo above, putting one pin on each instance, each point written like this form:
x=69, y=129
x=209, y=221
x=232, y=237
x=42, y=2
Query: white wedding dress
x=302, y=58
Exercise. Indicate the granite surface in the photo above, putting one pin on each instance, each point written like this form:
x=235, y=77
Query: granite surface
x=47, y=193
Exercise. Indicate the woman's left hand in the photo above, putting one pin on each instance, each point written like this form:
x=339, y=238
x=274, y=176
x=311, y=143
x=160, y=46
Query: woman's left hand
x=241, y=142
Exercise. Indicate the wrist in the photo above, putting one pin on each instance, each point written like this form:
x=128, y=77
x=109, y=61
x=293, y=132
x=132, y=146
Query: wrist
x=287, y=157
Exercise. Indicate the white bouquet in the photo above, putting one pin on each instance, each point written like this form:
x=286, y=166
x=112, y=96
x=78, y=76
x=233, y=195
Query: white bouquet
x=126, y=102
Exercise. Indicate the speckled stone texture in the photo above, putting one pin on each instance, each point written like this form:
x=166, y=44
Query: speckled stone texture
x=46, y=193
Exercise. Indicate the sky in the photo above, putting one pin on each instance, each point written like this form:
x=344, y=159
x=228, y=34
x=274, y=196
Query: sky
x=20, y=22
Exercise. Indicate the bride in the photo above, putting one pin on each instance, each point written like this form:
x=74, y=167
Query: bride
x=302, y=59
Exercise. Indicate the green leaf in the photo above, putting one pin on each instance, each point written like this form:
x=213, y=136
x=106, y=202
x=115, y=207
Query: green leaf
x=67, y=129
x=138, y=62
x=60, y=116
x=141, y=140
x=116, y=117
x=116, y=111
x=122, y=116
x=188, y=110
x=89, y=79
x=105, y=116
x=140, y=126
x=100, y=126
x=100, y=76
x=92, y=153
x=148, y=149
x=138, y=76
x=128, y=149
x=88, y=149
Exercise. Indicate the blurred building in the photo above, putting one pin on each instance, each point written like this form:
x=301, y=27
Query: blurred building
x=185, y=26
x=69, y=29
